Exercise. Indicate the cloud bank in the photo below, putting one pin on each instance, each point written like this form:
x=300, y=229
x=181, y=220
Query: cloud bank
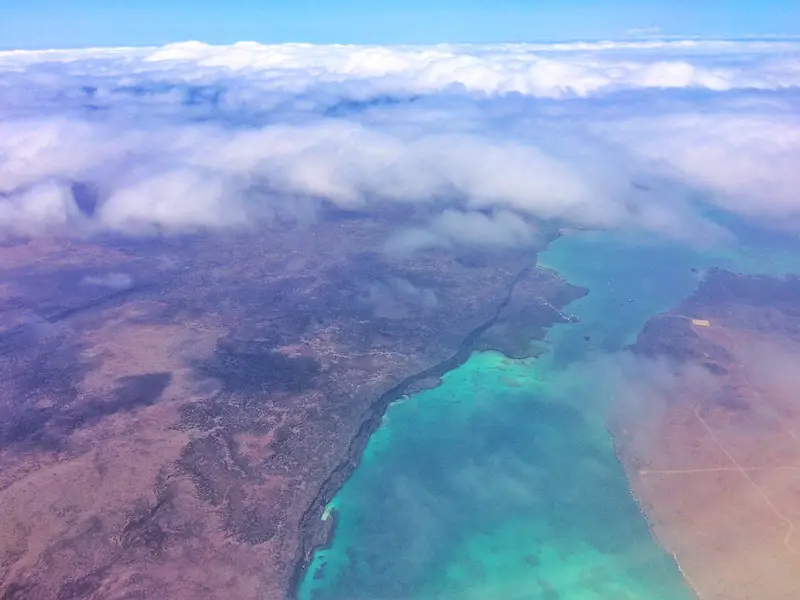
x=484, y=140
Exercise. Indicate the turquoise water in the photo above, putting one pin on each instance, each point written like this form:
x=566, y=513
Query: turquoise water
x=502, y=483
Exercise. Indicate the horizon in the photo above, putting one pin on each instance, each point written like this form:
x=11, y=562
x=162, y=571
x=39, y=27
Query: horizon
x=152, y=23
x=299, y=313
x=545, y=42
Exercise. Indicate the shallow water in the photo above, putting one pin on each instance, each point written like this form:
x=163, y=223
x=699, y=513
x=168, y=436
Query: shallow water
x=502, y=482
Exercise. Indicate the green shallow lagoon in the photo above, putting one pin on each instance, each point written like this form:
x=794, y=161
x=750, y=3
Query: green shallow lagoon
x=502, y=483
x=483, y=488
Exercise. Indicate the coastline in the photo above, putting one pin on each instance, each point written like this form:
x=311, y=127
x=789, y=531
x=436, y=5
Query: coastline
x=316, y=534
x=650, y=525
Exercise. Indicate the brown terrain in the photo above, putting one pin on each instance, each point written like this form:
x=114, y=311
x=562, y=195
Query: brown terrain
x=715, y=465
x=176, y=411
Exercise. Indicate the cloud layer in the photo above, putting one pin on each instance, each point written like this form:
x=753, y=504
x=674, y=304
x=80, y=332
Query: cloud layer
x=482, y=139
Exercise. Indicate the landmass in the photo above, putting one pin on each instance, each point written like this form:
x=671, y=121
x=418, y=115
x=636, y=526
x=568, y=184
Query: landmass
x=175, y=411
x=712, y=445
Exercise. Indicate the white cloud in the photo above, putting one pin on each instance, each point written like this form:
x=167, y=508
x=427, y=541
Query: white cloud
x=114, y=281
x=459, y=228
x=747, y=161
x=38, y=209
x=481, y=137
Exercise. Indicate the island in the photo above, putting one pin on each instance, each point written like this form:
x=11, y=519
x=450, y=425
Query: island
x=711, y=445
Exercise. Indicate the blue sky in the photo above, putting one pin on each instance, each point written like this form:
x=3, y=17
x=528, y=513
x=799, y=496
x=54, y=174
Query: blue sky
x=60, y=23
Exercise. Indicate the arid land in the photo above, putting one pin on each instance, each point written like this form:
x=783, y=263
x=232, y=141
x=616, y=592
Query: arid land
x=715, y=460
x=175, y=411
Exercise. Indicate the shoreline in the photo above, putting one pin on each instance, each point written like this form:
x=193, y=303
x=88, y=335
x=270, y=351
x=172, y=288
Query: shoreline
x=316, y=534
x=650, y=526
